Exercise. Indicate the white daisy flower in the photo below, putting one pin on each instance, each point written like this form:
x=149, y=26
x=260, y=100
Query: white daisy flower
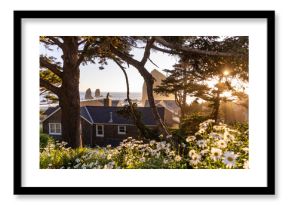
x=195, y=159
x=201, y=143
x=204, y=152
x=171, y=153
x=152, y=142
x=215, y=154
x=230, y=159
x=230, y=137
x=110, y=165
x=201, y=131
x=246, y=165
x=153, y=152
x=215, y=136
x=219, y=128
x=190, y=138
x=221, y=144
x=191, y=153
x=245, y=149
x=177, y=158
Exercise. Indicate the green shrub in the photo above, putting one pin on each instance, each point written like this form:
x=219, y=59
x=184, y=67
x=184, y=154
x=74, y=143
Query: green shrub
x=190, y=124
x=45, y=139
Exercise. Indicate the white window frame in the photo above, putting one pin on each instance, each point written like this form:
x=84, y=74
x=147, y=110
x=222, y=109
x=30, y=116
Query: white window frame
x=119, y=132
x=98, y=135
x=50, y=126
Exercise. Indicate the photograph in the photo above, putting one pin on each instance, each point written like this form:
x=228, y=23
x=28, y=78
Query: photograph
x=144, y=102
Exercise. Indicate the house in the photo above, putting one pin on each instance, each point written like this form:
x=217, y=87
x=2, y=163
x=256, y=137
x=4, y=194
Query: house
x=172, y=111
x=100, y=102
x=91, y=103
x=101, y=125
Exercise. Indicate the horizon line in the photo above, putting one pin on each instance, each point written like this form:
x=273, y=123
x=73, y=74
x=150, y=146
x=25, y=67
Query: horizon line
x=114, y=91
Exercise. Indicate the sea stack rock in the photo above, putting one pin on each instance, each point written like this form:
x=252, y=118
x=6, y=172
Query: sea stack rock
x=158, y=76
x=88, y=94
x=97, y=93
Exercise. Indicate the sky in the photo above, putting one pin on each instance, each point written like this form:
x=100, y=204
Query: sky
x=112, y=79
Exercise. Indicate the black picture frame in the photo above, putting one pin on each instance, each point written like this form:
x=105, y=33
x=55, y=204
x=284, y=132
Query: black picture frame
x=19, y=189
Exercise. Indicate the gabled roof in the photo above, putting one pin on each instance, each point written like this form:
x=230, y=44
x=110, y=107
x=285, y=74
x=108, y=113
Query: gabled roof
x=50, y=110
x=85, y=114
x=101, y=114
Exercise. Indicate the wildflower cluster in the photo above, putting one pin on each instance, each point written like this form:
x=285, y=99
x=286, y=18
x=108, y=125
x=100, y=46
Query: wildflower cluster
x=211, y=147
x=217, y=146
x=131, y=154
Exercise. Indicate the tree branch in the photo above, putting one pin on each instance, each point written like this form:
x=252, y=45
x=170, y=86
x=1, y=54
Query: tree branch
x=52, y=67
x=190, y=50
x=147, y=51
x=55, y=40
x=153, y=63
x=81, y=42
x=165, y=50
x=125, y=57
x=82, y=55
x=127, y=80
x=48, y=86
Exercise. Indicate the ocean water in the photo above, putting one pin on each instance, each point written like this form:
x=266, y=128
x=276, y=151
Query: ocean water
x=116, y=95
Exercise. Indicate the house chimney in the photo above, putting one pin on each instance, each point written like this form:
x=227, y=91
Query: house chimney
x=111, y=117
x=108, y=101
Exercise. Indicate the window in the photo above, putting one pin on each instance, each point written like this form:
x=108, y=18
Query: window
x=121, y=129
x=100, y=130
x=54, y=128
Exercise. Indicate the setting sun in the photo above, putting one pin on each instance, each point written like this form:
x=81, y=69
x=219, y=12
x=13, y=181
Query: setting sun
x=226, y=72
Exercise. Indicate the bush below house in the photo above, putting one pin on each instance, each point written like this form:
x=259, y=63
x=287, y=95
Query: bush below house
x=211, y=147
x=44, y=140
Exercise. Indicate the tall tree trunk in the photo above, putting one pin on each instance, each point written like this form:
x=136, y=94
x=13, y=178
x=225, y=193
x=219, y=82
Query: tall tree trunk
x=149, y=80
x=70, y=97
x=178, y=101
x=216, y=108
x=183, y=107
x=184, y=93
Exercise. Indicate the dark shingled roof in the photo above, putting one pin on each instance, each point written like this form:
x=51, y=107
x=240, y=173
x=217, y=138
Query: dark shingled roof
x=85, y=114
x=101, y=114
x=50, y=110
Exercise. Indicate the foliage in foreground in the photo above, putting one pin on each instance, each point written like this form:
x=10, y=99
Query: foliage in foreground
x=211, y=147
x=45, y=139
